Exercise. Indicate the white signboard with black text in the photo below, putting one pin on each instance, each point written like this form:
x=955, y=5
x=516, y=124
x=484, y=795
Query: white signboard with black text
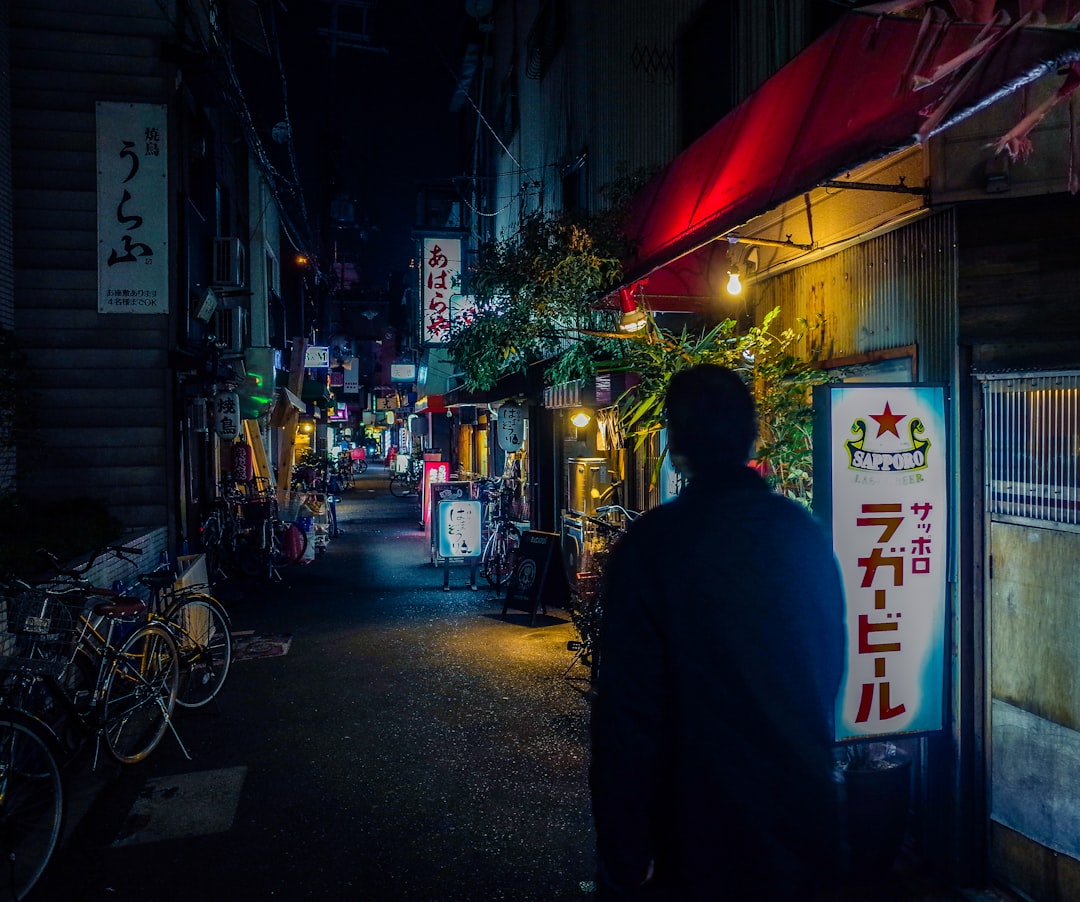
x=132, y=208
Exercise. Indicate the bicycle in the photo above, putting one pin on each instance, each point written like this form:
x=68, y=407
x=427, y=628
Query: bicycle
x=202, y=629
x=91, y=669
x=32, y=801
x=408, y=481
x=599, y=536
x=504, y=536
x=199, y=623
x=246, y=533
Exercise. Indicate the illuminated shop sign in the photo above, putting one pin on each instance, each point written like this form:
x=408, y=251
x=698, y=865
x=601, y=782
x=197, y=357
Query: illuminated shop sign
x=444, y=307
x=886, y=472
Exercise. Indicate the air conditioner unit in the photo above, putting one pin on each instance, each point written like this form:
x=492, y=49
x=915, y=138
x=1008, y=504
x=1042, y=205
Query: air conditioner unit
x=231, y=328
x=228, y=263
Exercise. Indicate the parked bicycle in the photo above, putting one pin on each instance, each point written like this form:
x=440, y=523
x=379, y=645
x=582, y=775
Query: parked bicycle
x=503, y=537
x=407, y=482
x=77, y=649
x=245, y=534
x=202, y=630
x=31, y=801
x=600, y=533
x=81, y=670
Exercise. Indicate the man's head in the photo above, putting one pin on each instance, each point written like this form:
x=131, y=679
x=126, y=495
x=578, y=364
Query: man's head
x=710, y=417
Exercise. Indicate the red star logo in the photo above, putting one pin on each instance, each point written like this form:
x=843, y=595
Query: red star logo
x=887, y=421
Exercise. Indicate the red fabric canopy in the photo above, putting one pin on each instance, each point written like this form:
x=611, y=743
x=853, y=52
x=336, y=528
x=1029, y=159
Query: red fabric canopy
x=872, y=85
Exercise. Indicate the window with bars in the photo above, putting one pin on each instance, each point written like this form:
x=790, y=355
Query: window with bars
x=1032, y=446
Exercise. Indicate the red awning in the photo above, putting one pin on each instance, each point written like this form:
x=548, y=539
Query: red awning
x=872, y=85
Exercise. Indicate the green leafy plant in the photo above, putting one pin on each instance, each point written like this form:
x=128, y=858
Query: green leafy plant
x=532, y=293
x=536, y=292
x=779, y=367
x=537, y=296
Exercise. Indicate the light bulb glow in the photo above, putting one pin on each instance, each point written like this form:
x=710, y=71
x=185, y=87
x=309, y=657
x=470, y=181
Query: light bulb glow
x=734, y=283
x=580, y=419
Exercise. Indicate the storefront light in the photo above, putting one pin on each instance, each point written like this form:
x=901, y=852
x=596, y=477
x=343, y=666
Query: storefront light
x=633, y=317
x=734, y=283
x=581, y=419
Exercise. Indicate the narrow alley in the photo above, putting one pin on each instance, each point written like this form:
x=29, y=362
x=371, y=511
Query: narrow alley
x=410, y=744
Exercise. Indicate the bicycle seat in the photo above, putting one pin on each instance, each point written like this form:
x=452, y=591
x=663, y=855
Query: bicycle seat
x=157, y=580
x=124, y=607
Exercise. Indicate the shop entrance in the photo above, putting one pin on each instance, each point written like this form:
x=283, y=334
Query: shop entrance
x=1032, y=516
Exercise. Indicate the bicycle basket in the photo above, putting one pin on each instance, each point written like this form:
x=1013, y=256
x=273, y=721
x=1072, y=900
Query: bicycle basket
x=42, y=617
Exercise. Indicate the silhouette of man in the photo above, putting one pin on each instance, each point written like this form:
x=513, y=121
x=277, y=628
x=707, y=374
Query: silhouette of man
x=722, y=639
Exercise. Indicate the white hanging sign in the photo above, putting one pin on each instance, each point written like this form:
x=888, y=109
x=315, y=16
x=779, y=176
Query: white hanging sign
x=227, y=414
x=511, y=427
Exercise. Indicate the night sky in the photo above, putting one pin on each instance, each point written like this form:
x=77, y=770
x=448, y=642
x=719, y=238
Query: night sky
x=373, y=125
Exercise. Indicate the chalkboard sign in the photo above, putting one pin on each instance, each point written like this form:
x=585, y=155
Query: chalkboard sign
x=538, y=580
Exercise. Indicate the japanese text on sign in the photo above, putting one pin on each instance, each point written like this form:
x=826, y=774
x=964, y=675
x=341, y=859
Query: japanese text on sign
x=889, y=515
x=444, y=307
x=132, y=208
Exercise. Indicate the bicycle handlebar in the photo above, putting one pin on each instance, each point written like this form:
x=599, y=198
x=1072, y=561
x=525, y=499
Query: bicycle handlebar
x=629, y=514
x=78, y=572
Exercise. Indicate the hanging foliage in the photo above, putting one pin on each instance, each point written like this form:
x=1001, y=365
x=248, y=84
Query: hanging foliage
x=778, y=366
x=536, y=290
x=533, y=294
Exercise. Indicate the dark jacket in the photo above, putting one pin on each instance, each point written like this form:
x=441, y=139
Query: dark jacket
x=722, y=648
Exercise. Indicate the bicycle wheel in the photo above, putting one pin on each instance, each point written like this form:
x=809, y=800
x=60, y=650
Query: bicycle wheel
x=31, y=802
x=140, y=692
x=400, y=485
x=201, y=628
x=499, y=560
x=289, y=543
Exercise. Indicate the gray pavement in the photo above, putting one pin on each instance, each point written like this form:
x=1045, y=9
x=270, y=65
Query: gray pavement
x=411, y=744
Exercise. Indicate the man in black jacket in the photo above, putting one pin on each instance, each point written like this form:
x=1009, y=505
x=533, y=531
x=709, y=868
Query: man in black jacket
x=723, y=647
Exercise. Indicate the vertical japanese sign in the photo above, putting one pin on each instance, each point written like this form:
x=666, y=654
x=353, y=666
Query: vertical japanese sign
x=227, y=415
x=510, y=427
x=887, y=464
x=132, y=208
x=443, y=306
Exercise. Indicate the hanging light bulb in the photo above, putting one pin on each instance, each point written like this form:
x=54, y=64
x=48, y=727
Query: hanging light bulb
x=580, y=419
x=734, y=283
x=633, y=317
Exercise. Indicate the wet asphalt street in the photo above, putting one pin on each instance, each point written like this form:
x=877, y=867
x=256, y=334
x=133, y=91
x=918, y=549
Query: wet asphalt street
x=411, y=744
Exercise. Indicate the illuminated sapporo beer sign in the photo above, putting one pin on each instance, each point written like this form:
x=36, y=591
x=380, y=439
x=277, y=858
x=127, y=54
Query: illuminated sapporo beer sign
x=881, y=473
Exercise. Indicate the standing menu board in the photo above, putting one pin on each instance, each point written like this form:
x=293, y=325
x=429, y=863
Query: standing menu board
x=457, y=529
x=438, y=492
x=539, y=579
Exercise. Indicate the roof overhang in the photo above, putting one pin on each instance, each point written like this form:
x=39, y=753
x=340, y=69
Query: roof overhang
x=876, y=83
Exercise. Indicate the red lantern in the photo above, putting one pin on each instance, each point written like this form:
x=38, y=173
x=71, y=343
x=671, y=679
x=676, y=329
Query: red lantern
x=243, y=462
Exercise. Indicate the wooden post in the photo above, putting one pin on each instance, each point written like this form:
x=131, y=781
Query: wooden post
x=287, y=417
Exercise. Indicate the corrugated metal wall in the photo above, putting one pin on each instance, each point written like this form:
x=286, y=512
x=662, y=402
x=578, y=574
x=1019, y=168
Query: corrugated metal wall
x=96, y=377
x=895, y=290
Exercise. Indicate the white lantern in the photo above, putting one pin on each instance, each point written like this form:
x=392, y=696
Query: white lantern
x=227, y=414
x=511, y=427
